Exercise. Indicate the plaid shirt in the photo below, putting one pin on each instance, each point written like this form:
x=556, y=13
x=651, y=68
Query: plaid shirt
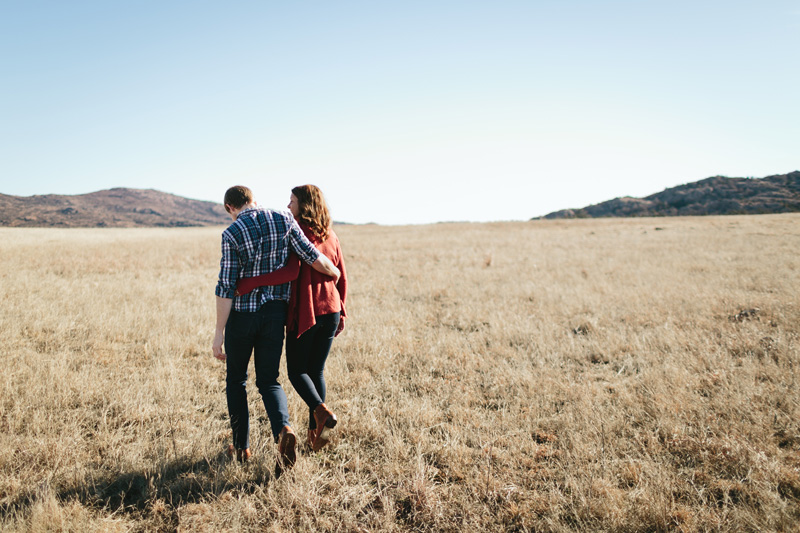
x=258, y=243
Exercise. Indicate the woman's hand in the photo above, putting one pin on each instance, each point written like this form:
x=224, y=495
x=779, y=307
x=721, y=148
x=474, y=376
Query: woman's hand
x=340, y=327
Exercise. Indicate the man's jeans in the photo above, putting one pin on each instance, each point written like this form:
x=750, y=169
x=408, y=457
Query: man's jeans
x=260, y=334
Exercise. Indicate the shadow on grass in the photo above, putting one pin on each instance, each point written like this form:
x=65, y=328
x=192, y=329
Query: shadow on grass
x=174, y=483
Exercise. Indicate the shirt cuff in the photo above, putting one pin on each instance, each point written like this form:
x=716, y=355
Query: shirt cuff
x=223, y=292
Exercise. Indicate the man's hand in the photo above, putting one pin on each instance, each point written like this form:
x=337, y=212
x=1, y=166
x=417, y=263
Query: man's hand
x=216, y=348
x=325, y=266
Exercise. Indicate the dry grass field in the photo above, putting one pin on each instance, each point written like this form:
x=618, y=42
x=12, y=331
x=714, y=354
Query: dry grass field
x=583, y=375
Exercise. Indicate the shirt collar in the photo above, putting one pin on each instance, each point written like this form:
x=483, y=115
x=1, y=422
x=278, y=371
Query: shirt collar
x=243, y=211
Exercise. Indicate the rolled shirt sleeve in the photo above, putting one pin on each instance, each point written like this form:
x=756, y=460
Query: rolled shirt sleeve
x=301, y=245
x=228, y=269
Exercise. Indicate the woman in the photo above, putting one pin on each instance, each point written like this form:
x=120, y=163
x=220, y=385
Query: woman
x=316, y=311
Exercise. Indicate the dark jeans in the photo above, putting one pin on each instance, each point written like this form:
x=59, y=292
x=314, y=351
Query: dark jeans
x=260, y=334
x=305, y=361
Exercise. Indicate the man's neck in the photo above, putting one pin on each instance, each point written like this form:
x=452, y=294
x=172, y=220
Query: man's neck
x=236, y=212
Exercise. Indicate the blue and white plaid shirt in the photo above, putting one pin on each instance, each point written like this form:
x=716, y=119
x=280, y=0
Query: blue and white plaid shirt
x=258, y=243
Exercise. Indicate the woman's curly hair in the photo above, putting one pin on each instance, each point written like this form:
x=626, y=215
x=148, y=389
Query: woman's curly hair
x=313, y=211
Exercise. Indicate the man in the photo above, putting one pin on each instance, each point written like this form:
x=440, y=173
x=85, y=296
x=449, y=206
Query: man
x=256, y=243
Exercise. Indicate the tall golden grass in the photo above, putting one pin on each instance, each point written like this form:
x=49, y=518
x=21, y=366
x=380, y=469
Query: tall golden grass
x=616, y=375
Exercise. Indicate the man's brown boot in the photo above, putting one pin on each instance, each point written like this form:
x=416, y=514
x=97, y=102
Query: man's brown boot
x=287, y=455
x=241, y=455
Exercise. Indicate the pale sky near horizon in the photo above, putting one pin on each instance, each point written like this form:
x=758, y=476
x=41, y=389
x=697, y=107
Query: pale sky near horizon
x=402, y=112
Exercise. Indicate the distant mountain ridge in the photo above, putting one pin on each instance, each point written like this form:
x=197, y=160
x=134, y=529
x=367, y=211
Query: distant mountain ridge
x=717, y=195
x=113, y=208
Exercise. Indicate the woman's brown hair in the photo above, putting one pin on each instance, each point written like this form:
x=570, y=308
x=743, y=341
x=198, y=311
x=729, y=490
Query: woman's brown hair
x=313, y=211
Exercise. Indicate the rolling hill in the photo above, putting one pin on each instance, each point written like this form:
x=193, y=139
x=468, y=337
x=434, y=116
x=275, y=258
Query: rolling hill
x=717, y=195
x=113, y=208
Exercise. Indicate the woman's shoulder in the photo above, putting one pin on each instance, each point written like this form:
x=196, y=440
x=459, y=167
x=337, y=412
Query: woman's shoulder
x=308, y=233
x=332, y=242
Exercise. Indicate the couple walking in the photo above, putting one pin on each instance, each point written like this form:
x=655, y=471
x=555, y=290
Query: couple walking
x=260, y=252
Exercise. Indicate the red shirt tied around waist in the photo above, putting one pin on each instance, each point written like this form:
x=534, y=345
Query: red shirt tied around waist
x=312, y=293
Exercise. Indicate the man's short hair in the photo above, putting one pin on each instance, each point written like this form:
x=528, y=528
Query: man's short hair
x=238, y=196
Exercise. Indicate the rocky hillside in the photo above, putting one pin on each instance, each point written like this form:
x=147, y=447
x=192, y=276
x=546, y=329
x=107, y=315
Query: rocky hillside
x=712, y=196
x=114, y=208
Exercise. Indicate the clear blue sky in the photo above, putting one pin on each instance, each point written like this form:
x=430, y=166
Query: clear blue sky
x=402, y=112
